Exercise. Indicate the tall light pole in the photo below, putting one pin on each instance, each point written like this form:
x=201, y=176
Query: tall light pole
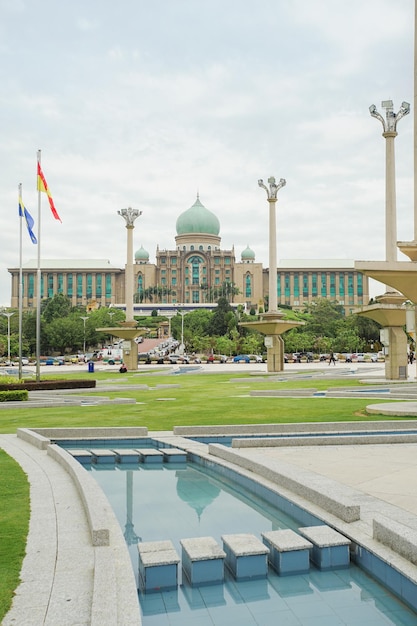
x=84, y=319
x=271, y=193
x=389, y=125
x=183, y=314
x=129, y=215
x=8, y=315
x=111, y=313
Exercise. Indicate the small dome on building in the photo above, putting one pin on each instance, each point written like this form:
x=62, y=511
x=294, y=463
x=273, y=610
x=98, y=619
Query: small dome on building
x=141, y=255
x=198, y=219
x=248, y=254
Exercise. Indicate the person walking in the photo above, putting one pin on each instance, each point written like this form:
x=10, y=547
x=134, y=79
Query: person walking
x=332, y=358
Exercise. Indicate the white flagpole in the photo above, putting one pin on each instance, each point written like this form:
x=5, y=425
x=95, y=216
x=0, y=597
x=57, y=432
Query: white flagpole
x=20, y=284
x=38, y=283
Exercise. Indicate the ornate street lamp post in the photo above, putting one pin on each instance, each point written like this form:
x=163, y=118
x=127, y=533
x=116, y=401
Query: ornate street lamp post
x=389, y=125
x=271, y=323
x=271, y=193
x=84, y=318
x=129, y=215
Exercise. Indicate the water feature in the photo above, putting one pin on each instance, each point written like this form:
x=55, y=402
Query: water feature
x=177, y=502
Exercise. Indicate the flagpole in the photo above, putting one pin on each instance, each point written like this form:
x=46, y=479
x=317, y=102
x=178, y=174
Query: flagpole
x=38, y=284
x=20, y=285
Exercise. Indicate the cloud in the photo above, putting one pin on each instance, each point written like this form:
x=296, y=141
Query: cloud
x=144, y=104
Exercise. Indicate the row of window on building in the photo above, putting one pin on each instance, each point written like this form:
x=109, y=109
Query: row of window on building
x=73, y=282
x=313, y=285
x=322, y=284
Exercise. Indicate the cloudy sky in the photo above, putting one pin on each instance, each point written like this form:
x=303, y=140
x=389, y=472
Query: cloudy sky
x=145, y=103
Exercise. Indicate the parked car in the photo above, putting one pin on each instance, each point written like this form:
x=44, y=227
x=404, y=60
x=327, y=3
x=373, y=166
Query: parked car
x=374, y=357
x=241, y=357
x=178, y=358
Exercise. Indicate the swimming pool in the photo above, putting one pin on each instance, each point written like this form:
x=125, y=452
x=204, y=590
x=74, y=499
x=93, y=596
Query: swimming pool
x=177, y=502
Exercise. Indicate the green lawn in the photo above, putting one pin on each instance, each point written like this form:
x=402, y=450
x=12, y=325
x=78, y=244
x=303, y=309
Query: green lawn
x=14, y=524
x=199, y=399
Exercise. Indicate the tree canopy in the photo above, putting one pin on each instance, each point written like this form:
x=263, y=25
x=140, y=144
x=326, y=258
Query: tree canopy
x=63, y=330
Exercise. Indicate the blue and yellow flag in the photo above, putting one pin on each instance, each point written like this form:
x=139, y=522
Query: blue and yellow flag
x=23, y=212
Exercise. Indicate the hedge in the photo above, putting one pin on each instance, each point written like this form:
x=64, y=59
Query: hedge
x=32, y=385
x=14, y=395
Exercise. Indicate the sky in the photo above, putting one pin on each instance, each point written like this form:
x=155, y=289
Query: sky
x=146, y=104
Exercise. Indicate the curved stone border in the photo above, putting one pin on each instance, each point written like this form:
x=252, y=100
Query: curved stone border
x=114, y=598
x=324, y=492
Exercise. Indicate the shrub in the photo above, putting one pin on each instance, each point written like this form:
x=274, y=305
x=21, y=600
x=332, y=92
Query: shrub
x=33, y=385
x=14, y=395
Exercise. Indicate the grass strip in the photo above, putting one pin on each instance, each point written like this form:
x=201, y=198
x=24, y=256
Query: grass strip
x=14, y=526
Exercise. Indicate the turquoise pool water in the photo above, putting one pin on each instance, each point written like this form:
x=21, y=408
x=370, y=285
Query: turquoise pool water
x=178, y=502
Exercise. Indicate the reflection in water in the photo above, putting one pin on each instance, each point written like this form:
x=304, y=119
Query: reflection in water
x=129, y=533
x=196, y=490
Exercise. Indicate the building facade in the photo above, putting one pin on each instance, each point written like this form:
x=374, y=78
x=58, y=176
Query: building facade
x=195, y=272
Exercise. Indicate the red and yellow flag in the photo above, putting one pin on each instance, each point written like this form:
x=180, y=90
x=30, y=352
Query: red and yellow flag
x=43, y=186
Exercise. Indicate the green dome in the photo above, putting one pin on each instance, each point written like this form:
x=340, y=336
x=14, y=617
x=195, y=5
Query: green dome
x=248, y=254
x=198, y=219
x=141, y=254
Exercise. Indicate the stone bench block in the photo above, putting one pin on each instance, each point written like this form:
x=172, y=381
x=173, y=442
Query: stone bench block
x=246, y=556
x=103, y=455
x=330, y=549
x=126, y=455
x=158, y=565
x=202, y=560
x=397, y=536
x=173, y=455
x=150, y=455
x=288, y=552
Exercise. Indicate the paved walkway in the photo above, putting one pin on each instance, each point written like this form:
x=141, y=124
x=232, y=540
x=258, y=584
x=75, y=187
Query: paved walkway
x=57, y=573
x=387, y=472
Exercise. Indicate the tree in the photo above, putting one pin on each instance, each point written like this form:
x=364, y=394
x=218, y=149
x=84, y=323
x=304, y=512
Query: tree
x=58, y=306
x=222, y=315
x=196, y=325
x=323, y=318
x=63, y=334
x=226, y=290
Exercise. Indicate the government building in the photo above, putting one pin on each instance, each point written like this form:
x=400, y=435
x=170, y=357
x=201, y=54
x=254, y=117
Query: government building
x=194, y=274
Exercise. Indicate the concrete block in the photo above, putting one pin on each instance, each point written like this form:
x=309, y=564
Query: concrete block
x=289, y=553
x=150, y=455
x=330, y=549
x=174, y=455
x=158, y=565
x=246, y=556
x=202, y=560
x=126, y=455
